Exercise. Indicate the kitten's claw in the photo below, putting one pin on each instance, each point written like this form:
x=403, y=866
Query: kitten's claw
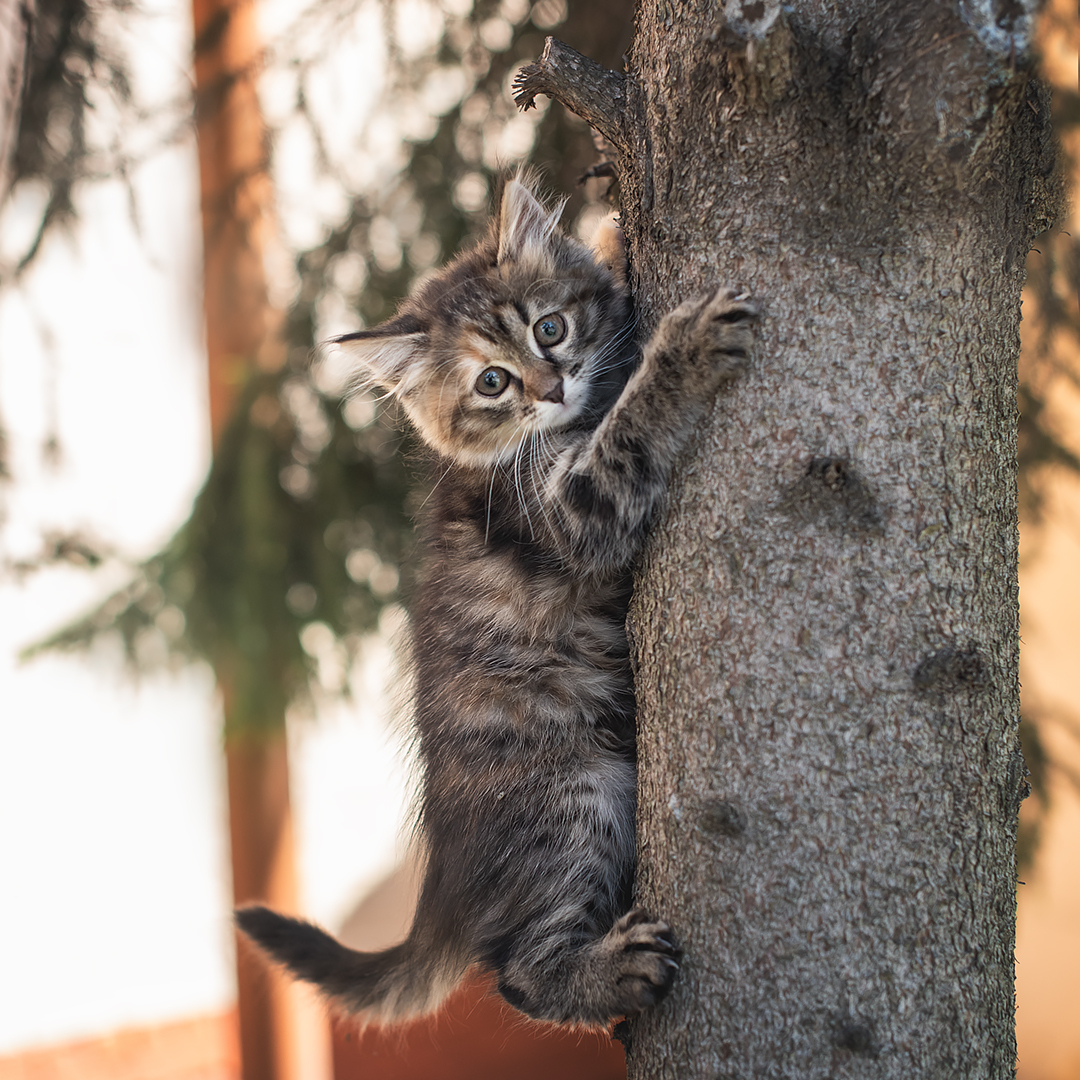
x=664, y=943
x=732, y=306
x=718, y=329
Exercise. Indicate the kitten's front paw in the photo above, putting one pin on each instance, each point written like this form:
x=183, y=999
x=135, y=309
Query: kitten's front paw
x=647, y=960
x=718, y=329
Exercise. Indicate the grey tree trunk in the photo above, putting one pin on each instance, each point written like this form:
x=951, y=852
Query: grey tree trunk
x=825, y=623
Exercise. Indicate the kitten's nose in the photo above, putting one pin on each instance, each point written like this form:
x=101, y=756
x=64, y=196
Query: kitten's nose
x=543, y=385
x=555, y=392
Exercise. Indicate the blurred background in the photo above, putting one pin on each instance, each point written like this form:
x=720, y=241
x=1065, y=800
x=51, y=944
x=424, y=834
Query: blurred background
x=203, y=533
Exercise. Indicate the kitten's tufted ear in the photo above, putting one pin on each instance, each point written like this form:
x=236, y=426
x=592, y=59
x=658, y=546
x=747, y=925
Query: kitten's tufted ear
x=388, y=353
x=524, y=222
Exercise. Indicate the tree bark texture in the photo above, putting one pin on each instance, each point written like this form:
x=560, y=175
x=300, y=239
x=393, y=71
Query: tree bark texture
x=825, y=622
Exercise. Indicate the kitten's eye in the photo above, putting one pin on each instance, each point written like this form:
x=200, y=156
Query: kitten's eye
x=550, y=330
x=492, y=381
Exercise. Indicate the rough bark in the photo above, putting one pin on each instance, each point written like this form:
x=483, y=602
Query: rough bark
x=825, y=622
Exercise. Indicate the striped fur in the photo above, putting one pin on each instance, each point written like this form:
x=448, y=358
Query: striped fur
x=523, y=699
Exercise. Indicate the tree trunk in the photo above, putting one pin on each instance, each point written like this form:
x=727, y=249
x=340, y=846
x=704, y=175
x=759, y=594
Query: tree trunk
x=825, y=622
x=241, y=338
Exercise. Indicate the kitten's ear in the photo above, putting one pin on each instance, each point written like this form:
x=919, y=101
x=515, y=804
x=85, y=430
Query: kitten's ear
x=524, y=222
x=387, y=353
x=609, y=244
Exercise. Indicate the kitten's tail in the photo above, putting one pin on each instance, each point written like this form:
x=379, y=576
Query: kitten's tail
x=403, y=981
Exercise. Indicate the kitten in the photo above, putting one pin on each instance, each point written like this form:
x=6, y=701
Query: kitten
x=555, y=439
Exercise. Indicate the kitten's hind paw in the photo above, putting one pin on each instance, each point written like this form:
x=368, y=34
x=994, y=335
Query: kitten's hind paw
x=645, y=956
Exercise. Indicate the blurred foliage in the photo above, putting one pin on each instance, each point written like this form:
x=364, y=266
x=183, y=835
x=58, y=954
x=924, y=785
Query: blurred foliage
x=1050, y=353
x=77, y=116
x=74, y=63
x=290, y=553
x=1048, y=360
x=1044, y=767
x=296, y=542
x=74, y=549
x=1033, y=814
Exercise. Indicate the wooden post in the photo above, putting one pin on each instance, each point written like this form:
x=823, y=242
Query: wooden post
x=236, y=196
x=260, y=832
x=240, y=337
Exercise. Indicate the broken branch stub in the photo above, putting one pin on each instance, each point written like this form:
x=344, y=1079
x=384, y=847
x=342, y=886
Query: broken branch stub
x=589, y=90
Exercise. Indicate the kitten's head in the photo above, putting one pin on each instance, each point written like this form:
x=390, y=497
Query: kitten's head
x=528, y=332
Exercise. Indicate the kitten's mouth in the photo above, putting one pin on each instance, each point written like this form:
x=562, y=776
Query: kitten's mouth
x=557, y=410
x=553, y=416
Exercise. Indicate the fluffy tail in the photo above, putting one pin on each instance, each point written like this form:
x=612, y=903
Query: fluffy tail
x=398, y=983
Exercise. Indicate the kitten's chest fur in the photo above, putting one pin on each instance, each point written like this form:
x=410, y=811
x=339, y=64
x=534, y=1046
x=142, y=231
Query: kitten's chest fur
x=502, y=630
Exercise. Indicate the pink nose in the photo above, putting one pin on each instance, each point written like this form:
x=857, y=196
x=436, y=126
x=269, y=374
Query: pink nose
x=555, y=393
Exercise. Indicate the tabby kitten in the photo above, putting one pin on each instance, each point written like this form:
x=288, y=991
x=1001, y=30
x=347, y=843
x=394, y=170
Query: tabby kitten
x=555, y=438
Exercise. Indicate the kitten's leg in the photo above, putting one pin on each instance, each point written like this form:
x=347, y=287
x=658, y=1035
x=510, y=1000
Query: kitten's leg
x=570, y=957
x=627, y=970
x=607, y=488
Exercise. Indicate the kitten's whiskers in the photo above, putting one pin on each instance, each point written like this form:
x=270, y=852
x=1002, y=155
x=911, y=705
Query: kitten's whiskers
x=519, y=489
x=435, y=485
x=541, y=442
x=491, y=486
